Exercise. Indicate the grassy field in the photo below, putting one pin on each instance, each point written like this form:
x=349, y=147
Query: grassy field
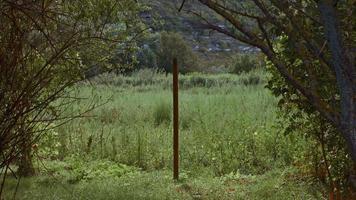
x=231, y=144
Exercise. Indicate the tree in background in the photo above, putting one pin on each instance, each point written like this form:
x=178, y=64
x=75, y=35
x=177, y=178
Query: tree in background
x=45, y=47
x=246, y=62
x=157, y=51
x=147, y=54
x=318, y=48
x=172, y=45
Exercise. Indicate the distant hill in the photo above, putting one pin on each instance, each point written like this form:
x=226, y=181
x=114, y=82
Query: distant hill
x=189, y=26
x=210, y=45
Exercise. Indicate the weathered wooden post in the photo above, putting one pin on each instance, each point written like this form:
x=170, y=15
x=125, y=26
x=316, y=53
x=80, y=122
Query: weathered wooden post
x=175, y=121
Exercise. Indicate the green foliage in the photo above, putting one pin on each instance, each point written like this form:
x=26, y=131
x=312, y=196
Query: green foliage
x=147, y=55
x=53, y=44
x=162, y=113
x=230, y=146
x=98, y=169
x=147, y=58
x=158, y=51
x=48, y=146
x=226, y=125
x=172, y=45
x=146, y=79
x=251, y=79
x=246, y=63
x=76, y=169
x=116, y=52
x=278, y=184
x=327, y=159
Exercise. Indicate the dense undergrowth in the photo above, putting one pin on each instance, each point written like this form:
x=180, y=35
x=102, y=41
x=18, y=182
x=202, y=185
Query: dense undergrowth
x=231, y=143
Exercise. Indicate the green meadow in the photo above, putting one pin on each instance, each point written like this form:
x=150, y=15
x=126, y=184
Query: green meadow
x=231, y=143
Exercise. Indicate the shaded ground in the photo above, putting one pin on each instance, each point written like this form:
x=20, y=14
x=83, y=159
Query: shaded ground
x=159, y=185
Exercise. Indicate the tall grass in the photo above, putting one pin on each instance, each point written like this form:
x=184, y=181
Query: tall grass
x=162, y=112
x=149, y=78
x=226, y=125
x=230, y=144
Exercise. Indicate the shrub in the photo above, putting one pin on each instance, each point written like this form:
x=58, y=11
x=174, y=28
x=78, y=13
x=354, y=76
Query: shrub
x=172, y=45
x=250, y=79
x=147, y=58
x=147, y=54
x=48, y=145
x=245, y=63
x=76, y=169
x=197, y=81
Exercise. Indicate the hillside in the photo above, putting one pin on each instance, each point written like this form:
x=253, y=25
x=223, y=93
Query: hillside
x=211, y=46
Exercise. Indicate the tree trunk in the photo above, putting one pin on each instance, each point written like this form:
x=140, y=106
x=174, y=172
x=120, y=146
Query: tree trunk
x=26, y=168
x=348, y=124
x=25, y=163
x=345, y=72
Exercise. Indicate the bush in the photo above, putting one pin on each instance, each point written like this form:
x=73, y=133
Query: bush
x=172, y=45
x=147, y=58
x=198, y=81
x=251, y=79
x=48, y=146
x=147, y=54
x=245, y=63
x=76, y=169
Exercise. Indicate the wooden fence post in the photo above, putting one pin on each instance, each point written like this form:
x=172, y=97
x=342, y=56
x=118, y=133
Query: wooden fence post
x=175, y=121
